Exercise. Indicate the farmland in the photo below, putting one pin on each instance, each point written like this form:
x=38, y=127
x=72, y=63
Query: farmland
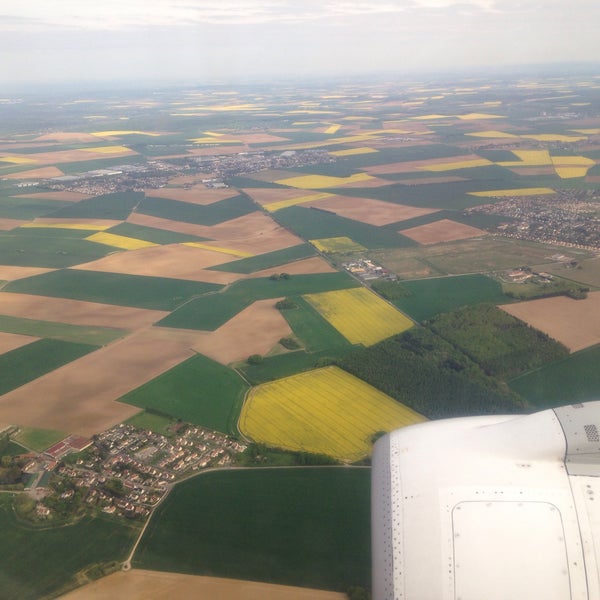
x=198, y=390
x=178, y=256
x=377, y=320
x=304, y=412
x=254, y=524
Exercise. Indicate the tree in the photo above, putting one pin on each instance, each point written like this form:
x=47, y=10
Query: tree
x=255, y=359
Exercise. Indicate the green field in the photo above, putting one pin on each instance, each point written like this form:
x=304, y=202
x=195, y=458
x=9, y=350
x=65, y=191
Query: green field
x=573, y=379
x=117, y=206
x=313, y=224
x=29, y=362
x=268, y=260
x=38, y=439
x=45, y=562
x=13, y=449
x=27, y=208
x=159, y=293
x=84, y=334
x=82, y=166
x=211, y=311
x=307, y=527
x=52, y=232
x=25, y=250
x=199, y=390
x=212, y=214
x=430, y=297
x=151, y=422
x=151, y=234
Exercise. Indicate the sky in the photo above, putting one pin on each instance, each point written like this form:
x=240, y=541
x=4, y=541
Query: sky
x=51, y=41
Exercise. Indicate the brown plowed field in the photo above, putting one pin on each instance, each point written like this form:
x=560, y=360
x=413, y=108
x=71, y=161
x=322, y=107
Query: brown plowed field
x=80, y=397
x=11, y=341
x=78, y=221
x=255, y=233
x=197, y=195
x=373, y=212
x=10, y=273
x=41, y=173
x=142, y=585
x=315, y=264
x=77, y=312
x=8, y=224
x=443, y=230
x=255, y=330
x=175, y=261
x=575, y=323
x=64, y=196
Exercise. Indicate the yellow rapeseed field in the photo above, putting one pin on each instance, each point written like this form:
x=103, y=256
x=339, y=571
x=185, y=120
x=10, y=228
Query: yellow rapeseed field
x=230, y=251
x=515, y=192
x=109, y=150
x=571, y=172
x=492, y=134
x=555, y=137
x=529, y=158
x=465, y=164
x=334, y=128
x=273, y=206
x=119, y=241
x=574, y=161
x=17, y=160
x=353, y=151
x=325, y=411
x=359, y=315
x=322, y=181
x=337, y=244
x=475, y=116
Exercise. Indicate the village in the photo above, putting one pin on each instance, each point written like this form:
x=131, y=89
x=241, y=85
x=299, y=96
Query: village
x=124, y=471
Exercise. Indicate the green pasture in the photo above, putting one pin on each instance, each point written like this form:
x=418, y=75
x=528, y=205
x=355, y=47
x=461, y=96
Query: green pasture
x=212, y=214
x=575, y=378
x=211, y=311
x=267, y=260
x=45, y=562
x=38, y=439
x=198, y=390
x=151, y=421
x=117, y=206
x=26, y=209
x=312, y=223
x=13, y=449
x=152, y=234
x=52, y=232
x=429, y=297
x=84, y=334
x=159, y=293
x=30, y=250
x=307, y=527
x=29, y=362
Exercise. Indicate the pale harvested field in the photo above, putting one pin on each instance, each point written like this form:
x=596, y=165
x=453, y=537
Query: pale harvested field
x=315, y=264
x=176, y=261
x=426, y=180
x=373, y=212
x=66, y=136
x=104, y=223
x=418, y=165
x=138, y=584
x=77, y=312
x=80, y=397
x=593, y=179
x=10, y=273
x=255, y=233
x=259, y=138
x=272, y=175
x=64, y=196
x=575, y=323
x=255, y=330
x=197, y=195
x=41, y=173
x=270, y=195
x=12, y=341
x=62, y=156
x=369, y=183
x=8, y=224
x=210, y=151
x=443, y=230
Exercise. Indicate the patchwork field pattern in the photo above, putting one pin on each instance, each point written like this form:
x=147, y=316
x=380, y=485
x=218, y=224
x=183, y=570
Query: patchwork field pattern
x=337, y=244
x=325, y=411
x=360, y=315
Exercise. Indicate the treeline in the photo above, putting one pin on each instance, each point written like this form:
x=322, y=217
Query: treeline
x=427, y=373
x=502, y=345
